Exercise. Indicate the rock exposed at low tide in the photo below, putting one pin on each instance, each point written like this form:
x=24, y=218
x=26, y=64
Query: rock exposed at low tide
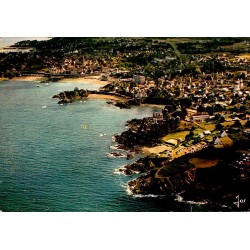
x=71, y=96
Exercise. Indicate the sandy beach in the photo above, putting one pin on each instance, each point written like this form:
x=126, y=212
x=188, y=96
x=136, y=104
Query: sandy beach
x=3, y=79
x=87, y=79
x=107, y=97
x=155, y=150
x=29, y=78
x=160, y=106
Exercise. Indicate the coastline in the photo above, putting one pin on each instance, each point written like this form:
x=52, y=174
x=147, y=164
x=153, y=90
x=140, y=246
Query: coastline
x=3, y=79
x=87, y=79
x=107, y=97
x=28, y=78
x=154, y=150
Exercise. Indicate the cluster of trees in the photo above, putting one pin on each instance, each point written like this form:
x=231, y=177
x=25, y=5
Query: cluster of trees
x=211, y=109
x=208, y=45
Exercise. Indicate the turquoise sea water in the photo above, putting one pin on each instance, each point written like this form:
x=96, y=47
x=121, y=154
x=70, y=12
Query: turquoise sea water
x=49, y=162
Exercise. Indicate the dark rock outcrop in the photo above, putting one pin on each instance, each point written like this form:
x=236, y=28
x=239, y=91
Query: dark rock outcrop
x=169, y=185
x=220, y=184
x=71, y=96
x=144, y=165
x=123, y=105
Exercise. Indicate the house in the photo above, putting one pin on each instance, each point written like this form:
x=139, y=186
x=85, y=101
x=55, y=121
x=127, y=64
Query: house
x=104, y=78
x=172, y=142
x=199, y=118
x=139, y=79
x=201, y=135
x=223, y=134
x=247, y=131
x=206, y=132
x=217, y=141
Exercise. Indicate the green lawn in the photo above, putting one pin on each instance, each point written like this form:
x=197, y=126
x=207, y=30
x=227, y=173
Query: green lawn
x=178, y=135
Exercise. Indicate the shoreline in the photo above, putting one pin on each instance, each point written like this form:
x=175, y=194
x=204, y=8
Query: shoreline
x=28, y=78
x=86, y=79
x=107, y=97
x=155, y=150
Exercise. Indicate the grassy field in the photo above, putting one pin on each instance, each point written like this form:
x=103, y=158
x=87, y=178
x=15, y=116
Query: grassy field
x=178, y=135
x=244, y=56
x=226, y=141
x=203, y=163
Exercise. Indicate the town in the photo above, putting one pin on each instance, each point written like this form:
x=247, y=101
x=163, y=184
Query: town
x=201, y=85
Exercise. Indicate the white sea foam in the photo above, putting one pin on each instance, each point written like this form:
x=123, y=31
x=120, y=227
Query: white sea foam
x=101, y=135
x=223, y=205
x=197, y=202
x=119, y=170
x=116, y=171
x=179, y=198
x=110, y=155
x=148, y=195
x=129, y=192
x=116, y=147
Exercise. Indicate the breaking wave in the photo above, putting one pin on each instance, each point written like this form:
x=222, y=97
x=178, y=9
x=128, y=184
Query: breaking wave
x=119, y=170
x=129, y=192
x=117, y=147
x=179, y=198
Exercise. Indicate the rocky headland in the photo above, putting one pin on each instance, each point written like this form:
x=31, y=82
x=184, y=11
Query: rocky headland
x=71, y=96
x=219, y=184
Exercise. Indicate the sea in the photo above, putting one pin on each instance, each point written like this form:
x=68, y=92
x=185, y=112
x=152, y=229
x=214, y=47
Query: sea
x=53, y=158
x=7, y=41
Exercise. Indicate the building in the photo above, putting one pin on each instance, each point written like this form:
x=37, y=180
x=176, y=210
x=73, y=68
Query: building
x=206, y=132
x=199, y=118
x=247, y=131
x=223, y=134
x=139, y=79
x=172, y=142
x=217, y=141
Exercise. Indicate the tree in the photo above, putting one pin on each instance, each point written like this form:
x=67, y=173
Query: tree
x=197, y=71
x=218, y=126
x=201, y=108
x=247, y=125
x=243, y=108
x=210, y=110
x=189, y=136
x=185, y=102
x=237, y=124
x=222, y=119
x=184, y=112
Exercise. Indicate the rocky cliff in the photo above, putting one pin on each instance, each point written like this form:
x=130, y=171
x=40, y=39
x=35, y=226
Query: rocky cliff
x=220, y=184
